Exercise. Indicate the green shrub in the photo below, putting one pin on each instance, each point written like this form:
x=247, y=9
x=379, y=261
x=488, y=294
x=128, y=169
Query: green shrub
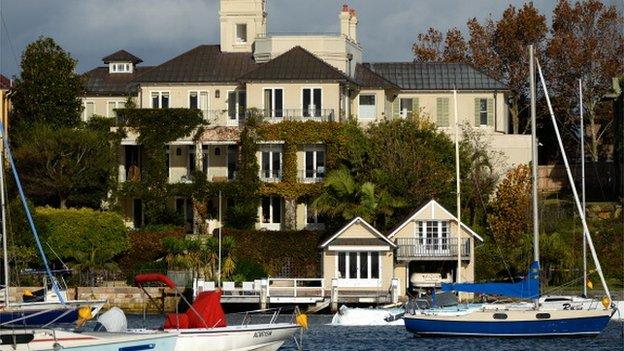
x=247, y=270
x=86, y=238
x=146, y=248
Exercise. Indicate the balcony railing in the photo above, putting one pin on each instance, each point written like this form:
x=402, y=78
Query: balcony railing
x=271, y=176
x=309, y=114
x=431, y=248
x=311, y=175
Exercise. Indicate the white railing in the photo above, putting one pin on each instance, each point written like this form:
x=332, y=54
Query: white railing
x=295, y=287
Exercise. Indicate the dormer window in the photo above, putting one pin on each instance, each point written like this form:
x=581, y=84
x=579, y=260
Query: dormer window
x=241, y=33
x=120, y=67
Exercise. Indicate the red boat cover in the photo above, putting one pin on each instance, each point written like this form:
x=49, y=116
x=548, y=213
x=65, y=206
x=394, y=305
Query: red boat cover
x=174, y=318
x=154, y=277
x=206, y=312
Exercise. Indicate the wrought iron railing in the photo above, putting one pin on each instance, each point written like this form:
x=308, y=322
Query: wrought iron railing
x=311, y=175
x=309, y=114
x=271, y=175
x=409, y=248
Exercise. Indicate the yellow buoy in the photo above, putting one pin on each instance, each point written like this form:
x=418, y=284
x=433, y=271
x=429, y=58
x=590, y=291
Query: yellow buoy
x=302, y=320
x=606, y=302
x=590, y=284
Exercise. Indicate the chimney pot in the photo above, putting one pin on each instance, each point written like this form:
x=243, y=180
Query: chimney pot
x=345, y=8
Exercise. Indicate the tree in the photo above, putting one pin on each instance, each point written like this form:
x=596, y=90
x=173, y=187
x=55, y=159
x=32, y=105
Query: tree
x=587, y=43
x=429, y=48
x=89, y=239
x=201, y=255
x=65, y=165
x=344, y=198
x=48, y=89
x=510, y=220
x=411, y=161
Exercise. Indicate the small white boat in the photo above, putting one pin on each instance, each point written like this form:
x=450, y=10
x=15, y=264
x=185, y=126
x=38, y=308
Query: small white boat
x=353, y=316
x=54, y=340
x=204, y=325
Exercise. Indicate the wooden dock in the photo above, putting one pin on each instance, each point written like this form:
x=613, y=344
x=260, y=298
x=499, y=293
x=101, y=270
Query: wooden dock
x=309, y=292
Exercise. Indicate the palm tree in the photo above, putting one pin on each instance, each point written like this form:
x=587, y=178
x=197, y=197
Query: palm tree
x=344, y=198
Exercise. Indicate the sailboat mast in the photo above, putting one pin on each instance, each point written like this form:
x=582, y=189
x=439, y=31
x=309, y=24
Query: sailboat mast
x=579, y=208
x=458, y=189
x=534, y=162
x=5, y=252
x=583, y=186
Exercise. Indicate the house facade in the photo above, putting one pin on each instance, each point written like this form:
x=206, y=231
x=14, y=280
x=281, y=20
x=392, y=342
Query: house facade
x=423, y=252
x=307, y=77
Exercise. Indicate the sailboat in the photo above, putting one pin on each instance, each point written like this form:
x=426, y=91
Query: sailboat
x=54, y=306
x=519, y=319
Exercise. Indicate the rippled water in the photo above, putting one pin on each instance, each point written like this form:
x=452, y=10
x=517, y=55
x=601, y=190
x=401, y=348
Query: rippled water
x=322, y=336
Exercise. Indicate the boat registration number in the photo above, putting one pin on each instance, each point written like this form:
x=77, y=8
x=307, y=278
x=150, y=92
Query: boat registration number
x=262, y=334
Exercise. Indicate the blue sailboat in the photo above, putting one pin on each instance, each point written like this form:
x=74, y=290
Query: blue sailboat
x=518, y=320
x=54, y=307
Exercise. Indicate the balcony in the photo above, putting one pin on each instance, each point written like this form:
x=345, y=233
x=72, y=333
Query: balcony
x=311, y=114
x=431, y=249
x=271, y=175
x=311, y=175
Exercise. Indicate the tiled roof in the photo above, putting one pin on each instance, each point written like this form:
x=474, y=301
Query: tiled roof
x=5, y=83
x=435, y=76
x=296, y=64
x=205, y=63
x=101, y=82
x=369, y=79
x=121, y=56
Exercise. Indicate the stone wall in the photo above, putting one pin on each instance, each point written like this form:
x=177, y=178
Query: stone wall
x=599, y=179
x=129, y=299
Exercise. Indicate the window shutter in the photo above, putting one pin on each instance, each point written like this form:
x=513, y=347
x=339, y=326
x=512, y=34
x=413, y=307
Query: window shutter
x=442, y=112
x=415, y=108
x=477, y=112
x=395, y=108
x=490, y=112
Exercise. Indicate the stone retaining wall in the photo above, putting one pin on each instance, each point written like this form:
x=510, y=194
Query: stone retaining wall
x=129, y=299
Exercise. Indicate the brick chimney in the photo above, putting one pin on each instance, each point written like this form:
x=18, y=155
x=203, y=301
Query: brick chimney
x=345, y=21
x=353, y=22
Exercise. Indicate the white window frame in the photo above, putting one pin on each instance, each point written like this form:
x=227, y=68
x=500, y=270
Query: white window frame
x=199, y=94
x=120, y=67
x=270, y=225
x=315, y=170
x=273, y=89
x=348, y=281
x=303, y=108
x=85, y=118
x=237, y=39
x=421, y=232
x=271, y=149
x=160, y=95
x=234, y=121
x=117, y=104
x=374, y=105
x=404, y=112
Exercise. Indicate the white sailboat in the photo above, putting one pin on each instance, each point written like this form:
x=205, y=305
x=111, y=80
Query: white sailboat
x=54, y=306
x=520, y=319
x=54, y=340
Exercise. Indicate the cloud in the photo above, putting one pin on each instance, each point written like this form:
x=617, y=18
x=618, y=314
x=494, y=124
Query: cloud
x=157, y=30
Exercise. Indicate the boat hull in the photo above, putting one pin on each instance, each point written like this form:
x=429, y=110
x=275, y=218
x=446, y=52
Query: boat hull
x=236, y=338
x=516, y=324
x=43, y=313
x=45, y=340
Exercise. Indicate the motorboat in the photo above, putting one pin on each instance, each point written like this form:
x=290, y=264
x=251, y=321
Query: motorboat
x=204, y=325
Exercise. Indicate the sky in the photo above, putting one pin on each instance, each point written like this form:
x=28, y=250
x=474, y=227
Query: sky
x=157, y=30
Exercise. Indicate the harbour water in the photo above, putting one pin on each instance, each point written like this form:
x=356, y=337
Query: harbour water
x=322, y=336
